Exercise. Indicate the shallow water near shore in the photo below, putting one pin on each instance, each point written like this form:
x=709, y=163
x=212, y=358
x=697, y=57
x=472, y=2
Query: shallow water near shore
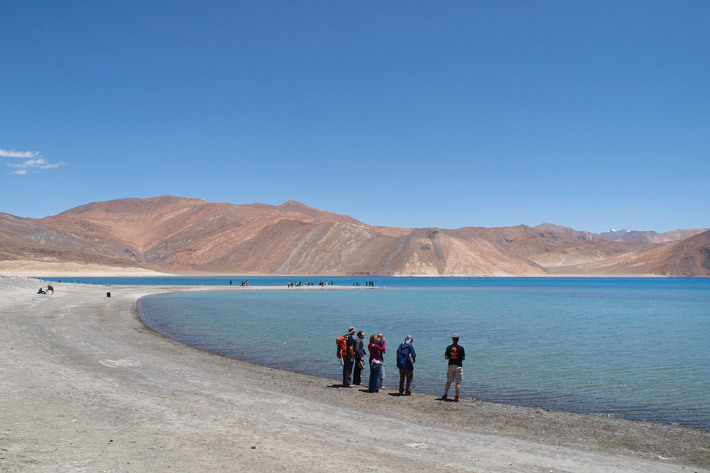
x=631, y=348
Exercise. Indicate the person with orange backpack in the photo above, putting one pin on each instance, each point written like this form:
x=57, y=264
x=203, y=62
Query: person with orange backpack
x=345, y=345
x=341, y=347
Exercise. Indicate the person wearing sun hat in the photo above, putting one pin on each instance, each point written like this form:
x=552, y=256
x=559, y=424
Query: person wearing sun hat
x=455, y=354
x=406, y=357
x=349, y=358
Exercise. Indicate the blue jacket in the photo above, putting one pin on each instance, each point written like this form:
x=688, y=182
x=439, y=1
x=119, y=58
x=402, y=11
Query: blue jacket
x=403, y=352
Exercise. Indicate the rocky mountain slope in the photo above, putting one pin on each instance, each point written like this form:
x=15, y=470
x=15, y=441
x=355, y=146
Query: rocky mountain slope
x=180, y=235
x=651, y=237
x=689, y=257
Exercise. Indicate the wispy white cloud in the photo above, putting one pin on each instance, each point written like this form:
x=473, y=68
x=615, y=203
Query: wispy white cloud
x=5, y=153
x=24, y=161
x=34, y=163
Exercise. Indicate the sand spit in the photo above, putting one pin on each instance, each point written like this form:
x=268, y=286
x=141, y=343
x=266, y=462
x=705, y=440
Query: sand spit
x=86, y=387
x=25, y=268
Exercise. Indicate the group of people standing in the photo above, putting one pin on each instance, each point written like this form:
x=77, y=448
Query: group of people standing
x=351, y=350
x=367, y=283
x=309, y=283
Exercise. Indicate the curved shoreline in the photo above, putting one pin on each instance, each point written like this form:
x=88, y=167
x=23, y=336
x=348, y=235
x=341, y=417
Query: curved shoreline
x=87, y=385
x=668, y=415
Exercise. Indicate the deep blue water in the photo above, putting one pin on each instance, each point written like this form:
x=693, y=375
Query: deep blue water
x=627, y=347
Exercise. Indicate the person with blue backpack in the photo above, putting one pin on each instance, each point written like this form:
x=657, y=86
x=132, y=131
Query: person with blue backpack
x=406, y=357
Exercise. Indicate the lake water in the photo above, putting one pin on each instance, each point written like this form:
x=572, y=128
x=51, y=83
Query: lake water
x=631, y=348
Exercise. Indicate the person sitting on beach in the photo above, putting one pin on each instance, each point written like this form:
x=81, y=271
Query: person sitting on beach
x=376, y=350
x=41, y=291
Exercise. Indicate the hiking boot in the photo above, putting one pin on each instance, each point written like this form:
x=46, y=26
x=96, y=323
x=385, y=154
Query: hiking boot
x=456, y=399
x=401, y=393
x=444, y=398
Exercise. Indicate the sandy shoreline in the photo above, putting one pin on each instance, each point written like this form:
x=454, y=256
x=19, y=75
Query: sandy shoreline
x=86, y=387
x=26, y=268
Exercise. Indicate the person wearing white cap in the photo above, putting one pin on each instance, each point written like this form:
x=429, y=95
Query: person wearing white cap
x=455, y=354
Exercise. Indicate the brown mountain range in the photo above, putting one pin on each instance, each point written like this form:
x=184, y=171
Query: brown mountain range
x=179, y=235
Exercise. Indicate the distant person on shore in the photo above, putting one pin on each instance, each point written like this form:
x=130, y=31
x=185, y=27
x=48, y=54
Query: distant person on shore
x=50, y=289
x=359, y=351
x=406, y=357
x=349, y=358
x=376, y=371
x=455, y=354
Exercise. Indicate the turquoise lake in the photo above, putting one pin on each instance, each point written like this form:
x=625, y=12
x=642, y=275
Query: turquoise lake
x=630, y=348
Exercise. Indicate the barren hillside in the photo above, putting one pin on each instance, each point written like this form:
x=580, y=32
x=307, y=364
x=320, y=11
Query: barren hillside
x=180, y=235
x=689, y=257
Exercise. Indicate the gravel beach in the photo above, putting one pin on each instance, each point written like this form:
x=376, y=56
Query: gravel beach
x=85, y=386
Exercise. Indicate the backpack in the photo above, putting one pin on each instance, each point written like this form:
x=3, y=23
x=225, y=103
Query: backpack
x=342, y=346
x=403, y=357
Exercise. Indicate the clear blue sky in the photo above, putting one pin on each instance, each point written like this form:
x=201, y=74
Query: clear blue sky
x=589, y=114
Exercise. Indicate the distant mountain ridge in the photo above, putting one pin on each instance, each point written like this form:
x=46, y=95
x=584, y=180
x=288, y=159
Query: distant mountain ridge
x=183, y=235
x=651, y=236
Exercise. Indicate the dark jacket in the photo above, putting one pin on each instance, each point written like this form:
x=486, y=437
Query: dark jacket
x=404, y=360
x=359, y=348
